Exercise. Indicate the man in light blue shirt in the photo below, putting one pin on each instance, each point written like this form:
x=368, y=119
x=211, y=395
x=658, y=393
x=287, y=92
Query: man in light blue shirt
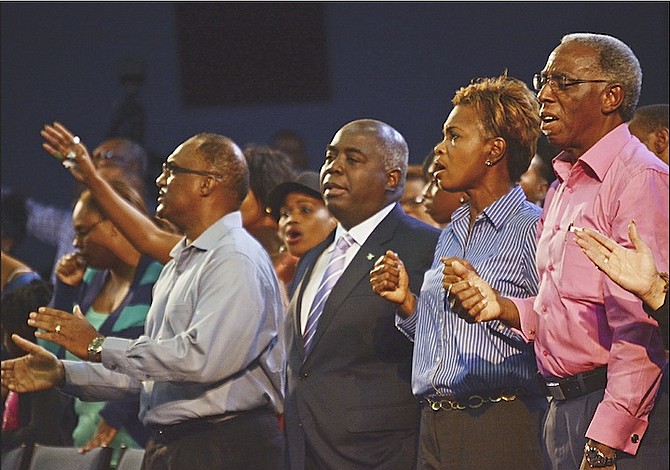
x=209, y=366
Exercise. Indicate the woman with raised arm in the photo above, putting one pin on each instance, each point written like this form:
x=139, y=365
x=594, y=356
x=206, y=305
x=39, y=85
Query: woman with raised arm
x=147, y=237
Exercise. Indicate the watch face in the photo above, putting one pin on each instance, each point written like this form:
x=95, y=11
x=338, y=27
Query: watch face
x=595, y=458
x=95, y=348
x=592, y=455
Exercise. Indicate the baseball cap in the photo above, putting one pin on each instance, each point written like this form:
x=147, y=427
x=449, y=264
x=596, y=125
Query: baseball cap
x=306, y=182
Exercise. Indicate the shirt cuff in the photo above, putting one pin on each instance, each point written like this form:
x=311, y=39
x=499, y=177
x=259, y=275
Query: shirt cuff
x=407, y=325
x=527, y=318
x=617, y=429
x=114, y=353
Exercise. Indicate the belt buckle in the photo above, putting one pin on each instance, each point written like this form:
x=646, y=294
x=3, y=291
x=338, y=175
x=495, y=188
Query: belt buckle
x=555, y=390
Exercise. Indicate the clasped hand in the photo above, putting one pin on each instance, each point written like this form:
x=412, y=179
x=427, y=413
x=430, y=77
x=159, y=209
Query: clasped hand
x=469, y=296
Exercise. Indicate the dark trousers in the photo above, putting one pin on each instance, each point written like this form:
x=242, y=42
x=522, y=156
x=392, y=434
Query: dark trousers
x=567, y=421
x=501, y=436
x=251, y=441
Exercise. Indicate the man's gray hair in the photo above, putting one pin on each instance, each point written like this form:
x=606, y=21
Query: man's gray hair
x=618, y=63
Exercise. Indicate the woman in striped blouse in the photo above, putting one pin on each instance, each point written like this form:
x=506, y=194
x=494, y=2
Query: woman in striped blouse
x=482, y=400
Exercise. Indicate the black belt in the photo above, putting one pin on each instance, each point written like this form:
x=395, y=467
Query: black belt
x=171, y=432
x=577, y=385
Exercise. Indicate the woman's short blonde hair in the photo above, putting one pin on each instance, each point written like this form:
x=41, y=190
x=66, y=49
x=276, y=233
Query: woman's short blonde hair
x=508, y=109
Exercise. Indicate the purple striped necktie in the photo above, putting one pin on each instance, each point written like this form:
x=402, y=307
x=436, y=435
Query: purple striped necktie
x=333, y=272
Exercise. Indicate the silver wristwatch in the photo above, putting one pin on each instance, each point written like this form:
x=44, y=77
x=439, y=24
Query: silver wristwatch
x=95, y=349
x=596, y=459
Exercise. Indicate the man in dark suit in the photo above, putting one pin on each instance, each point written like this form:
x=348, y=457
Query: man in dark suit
x=349, y=402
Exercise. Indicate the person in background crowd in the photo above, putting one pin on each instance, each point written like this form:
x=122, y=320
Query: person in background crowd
x=349, y=402
x=650, y=125
x=599, y=352
x=304, y=220
x=633, y=269
x=477, y=380
x=14, y=219
x=209, y=368
x=267, y=169
x=16, y=273
x=412, y=200
x=32, y=417
x=540, y=174
x=438, y=204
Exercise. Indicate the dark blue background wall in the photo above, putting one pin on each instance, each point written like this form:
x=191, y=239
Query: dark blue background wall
x=398, y=62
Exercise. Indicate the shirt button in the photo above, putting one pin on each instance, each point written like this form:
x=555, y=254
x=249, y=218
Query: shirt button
x=303, y=376
x=634, y=438
x=544, y=309
x=545, y=353
x=557, y=228
x=550, y=268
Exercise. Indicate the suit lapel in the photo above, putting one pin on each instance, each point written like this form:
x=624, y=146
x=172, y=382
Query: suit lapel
x=295, y=308
x=358, y=270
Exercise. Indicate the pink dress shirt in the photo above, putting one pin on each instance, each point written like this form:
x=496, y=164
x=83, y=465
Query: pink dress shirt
x=580, y=319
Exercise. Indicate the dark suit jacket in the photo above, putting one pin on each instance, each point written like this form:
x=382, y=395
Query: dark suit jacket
x=351, y=400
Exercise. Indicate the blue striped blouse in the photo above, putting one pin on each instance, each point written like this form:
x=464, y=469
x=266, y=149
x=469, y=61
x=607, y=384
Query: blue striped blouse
x=458, y=359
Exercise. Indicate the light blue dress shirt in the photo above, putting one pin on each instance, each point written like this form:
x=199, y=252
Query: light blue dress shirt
x=210, y=344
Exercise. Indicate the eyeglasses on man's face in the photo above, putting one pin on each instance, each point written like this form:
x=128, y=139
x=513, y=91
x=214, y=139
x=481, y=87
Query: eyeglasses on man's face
x=171, y=168
x=559, y=82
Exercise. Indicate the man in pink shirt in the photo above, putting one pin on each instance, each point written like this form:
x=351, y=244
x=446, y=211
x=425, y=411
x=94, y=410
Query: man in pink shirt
x=601, y=355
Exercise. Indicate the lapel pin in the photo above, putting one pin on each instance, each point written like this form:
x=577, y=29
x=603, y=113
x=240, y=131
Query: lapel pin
x=370, y=256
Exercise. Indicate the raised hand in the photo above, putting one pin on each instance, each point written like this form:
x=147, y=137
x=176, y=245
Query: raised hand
x=69, y=150
x=37, y=370
x=389, y=279
x=633, y=269
x=70, y=330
